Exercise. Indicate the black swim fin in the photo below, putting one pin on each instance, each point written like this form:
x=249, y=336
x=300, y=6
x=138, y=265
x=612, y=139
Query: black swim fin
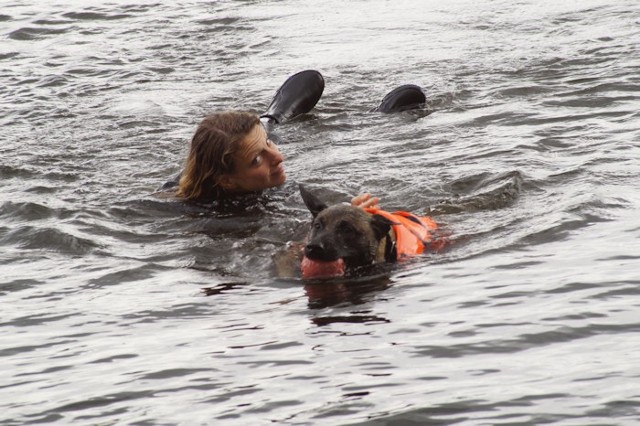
x=297, y=95
x=402, y=98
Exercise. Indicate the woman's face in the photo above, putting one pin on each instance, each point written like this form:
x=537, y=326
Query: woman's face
x=258, y=164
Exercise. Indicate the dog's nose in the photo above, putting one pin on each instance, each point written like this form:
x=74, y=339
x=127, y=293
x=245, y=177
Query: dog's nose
x=313, y=250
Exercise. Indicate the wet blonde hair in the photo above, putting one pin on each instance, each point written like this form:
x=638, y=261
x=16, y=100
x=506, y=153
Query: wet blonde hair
x=212, y=153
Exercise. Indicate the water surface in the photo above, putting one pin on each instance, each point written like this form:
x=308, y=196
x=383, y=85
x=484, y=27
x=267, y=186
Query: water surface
x=529, y=157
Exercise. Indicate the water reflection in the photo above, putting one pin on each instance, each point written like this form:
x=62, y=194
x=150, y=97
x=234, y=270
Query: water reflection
x=222, y=288
x=360, y=319
x=354, y=291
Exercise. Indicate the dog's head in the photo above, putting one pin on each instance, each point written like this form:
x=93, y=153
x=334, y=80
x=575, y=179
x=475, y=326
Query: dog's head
x=342, y=238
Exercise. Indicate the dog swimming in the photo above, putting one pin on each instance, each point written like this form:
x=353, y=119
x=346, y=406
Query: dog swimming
x=344, y=238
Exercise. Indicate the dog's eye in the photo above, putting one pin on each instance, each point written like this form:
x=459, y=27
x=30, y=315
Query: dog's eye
x=317, y=225
x=347, y=228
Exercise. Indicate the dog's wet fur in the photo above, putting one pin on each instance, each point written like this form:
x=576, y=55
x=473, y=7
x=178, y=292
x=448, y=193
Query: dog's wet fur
x=346, y=232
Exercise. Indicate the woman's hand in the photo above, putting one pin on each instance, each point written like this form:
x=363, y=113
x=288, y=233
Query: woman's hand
x=365, y=201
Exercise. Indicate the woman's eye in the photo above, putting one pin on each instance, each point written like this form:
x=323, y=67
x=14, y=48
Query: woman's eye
x=257, y=161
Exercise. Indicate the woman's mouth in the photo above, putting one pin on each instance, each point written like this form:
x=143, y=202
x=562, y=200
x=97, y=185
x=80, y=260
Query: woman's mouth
x=279, y=170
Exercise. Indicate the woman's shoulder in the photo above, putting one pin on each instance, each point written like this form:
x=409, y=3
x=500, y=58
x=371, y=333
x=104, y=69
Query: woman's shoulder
x=171, y=184
x=166, y=194
x=169, y=189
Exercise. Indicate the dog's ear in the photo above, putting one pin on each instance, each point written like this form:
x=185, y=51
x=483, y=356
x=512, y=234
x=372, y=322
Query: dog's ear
x=312, y=202
x=380, y=225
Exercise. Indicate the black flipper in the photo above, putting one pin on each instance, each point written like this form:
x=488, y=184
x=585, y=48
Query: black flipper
x=297, y=95
x=403, y=98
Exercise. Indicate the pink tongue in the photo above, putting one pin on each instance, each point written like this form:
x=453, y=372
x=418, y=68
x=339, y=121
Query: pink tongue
x=315, y=269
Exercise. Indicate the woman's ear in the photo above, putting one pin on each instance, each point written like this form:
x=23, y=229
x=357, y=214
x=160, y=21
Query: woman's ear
x=227, y=182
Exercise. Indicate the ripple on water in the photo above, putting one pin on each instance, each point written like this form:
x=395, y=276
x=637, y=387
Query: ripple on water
x=17, y=212
x=126, y=275
x=18, y=284
x=482, y=191
x=35, y=238
x=36, y=33
x=9, y=172
x=9, y=55
x=96, y=16
x=53, y=81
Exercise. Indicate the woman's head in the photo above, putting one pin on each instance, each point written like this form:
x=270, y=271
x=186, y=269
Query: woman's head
x=230, y=153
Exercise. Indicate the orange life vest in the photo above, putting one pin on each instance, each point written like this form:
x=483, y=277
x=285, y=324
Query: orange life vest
x=414, y=234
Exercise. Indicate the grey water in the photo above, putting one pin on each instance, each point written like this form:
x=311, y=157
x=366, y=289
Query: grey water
x=121, y=307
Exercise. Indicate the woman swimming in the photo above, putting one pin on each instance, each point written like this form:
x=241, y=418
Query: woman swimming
x=231, y=153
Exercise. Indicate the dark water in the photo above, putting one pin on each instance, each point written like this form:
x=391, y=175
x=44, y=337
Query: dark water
x=530, y=157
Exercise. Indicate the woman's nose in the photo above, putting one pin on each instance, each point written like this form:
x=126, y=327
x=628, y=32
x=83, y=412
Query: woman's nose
x=276, y=155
